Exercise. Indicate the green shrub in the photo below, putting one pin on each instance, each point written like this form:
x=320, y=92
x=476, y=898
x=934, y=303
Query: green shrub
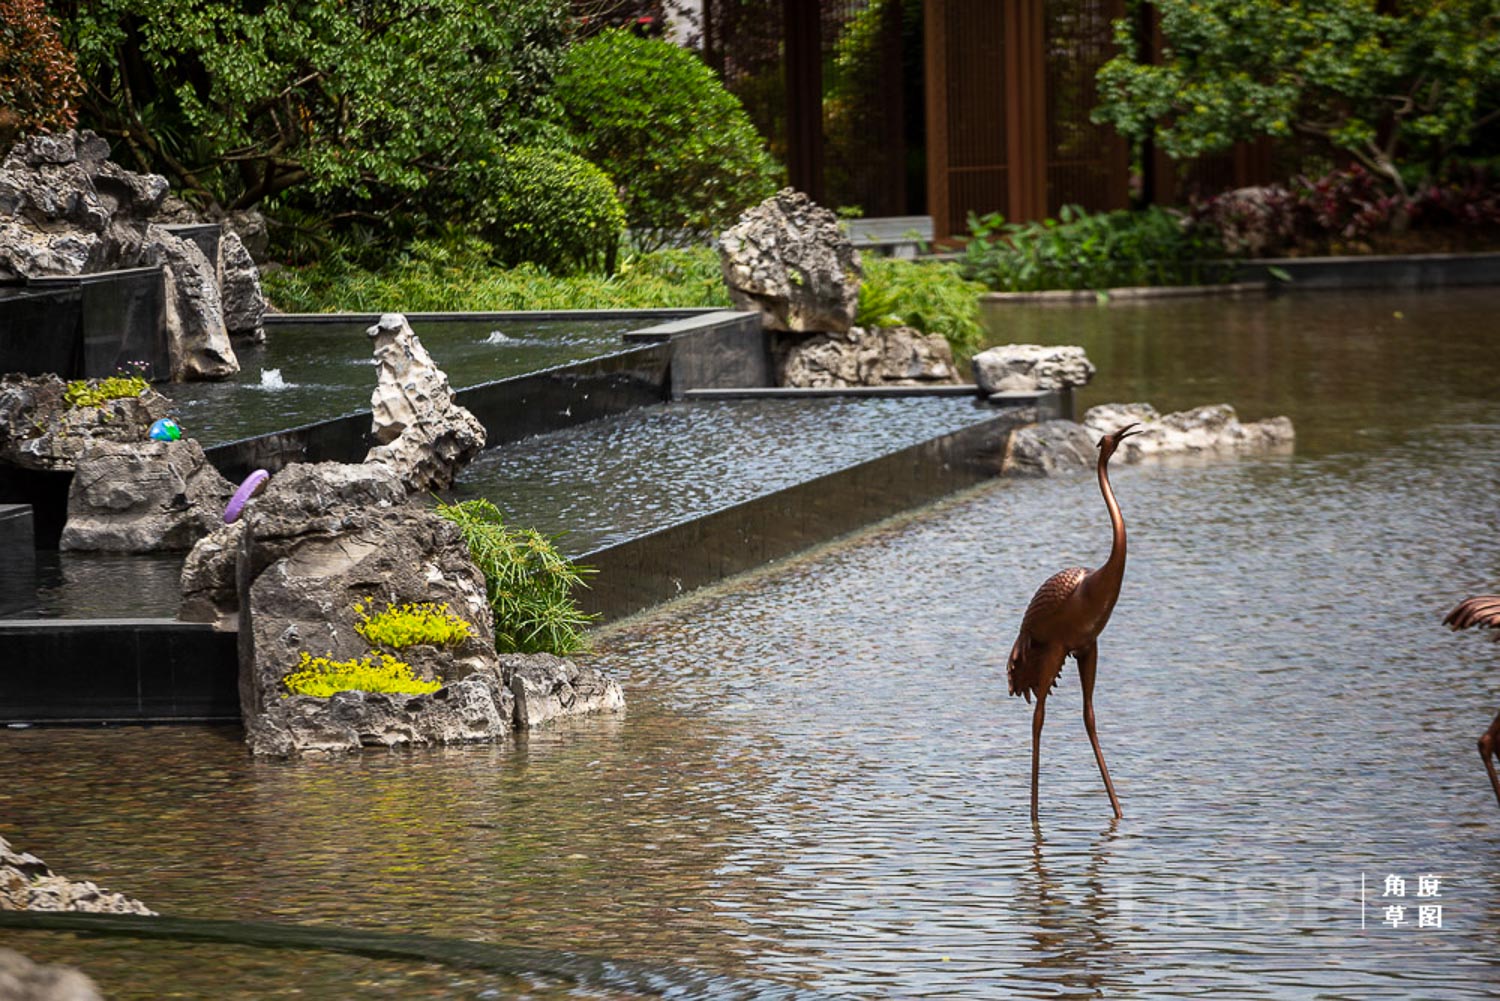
x=934, y=297
x=1079, y=250
x=459, y=275
x=680, y=147
x=549, y=208
x=323, y=676
x=528, y=583
x=94, y=392
x=411, y=624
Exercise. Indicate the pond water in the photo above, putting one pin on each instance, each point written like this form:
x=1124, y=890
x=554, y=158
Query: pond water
x=307, y=372
x=621, y=477
x=821, y=783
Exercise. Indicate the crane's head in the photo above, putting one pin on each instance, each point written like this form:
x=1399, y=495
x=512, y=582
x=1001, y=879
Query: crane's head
x=1111, y=441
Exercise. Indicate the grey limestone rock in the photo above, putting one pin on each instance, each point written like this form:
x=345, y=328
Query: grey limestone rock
x=239, y=283
x=788, y=260
x=1208, y=430
x=28, y=884
x=40, y=430
x=473, y=709
x=422, y=433
x=1049, y=448
x=66, y=209
x=875, y=356
x=548, y=688
x=23, y=980
x=142, y=497
x=1014, y=368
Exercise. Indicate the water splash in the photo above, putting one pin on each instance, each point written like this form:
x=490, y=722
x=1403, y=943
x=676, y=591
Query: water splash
x=496, y=337
x=270, y=378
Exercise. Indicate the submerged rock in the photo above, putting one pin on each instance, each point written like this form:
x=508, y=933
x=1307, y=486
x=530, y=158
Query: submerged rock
x=27, y=884
x=548, y=688
x=875, y=356
x=143, y=497
x=423, y=435
x=1211, y=430
x=1062, y=446
x=1029, y=368
x=788, y=260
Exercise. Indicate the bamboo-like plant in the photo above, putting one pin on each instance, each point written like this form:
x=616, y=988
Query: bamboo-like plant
x=528, y=582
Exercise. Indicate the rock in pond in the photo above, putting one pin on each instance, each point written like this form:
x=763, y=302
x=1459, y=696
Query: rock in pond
x=548, y=688
x=423, y=434
x=874, y=356
x=1029, y=368
x=23, y=980
x=788, y=260
x=40, y=429
x=1208, y=430
x=27, y=884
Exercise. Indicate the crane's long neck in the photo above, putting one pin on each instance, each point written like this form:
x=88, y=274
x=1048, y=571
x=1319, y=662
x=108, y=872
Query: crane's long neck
x=1114, y=568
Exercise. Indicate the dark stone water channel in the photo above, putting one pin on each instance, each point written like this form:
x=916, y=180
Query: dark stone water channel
x=820, y=782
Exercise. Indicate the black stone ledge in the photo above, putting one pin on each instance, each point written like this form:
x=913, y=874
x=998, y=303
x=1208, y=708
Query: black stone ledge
x=1410, y=271
x=509, y=409
x=856, y=392
x=653, y=568
x=334, y=319
x=116, y=671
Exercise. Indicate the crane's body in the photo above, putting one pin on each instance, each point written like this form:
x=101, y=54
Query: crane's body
x=1065, y=618
x=1482, y=611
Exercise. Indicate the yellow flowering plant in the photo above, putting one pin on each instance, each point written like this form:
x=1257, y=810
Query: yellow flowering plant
x=323, y=676
x=427, y=622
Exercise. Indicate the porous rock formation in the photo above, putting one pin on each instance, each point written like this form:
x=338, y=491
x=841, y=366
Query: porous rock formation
x=1031, y=368
x=1211, y=431
x=23, y=980
x=1208, y=430
x=874, y=356
x=142, y=497
x=39, y=429
x=788, y=260
x=67, y=209
x=27, y=884
x=423, y=435
x=547, y=688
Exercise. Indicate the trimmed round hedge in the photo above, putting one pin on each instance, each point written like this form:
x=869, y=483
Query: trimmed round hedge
x=551, y=208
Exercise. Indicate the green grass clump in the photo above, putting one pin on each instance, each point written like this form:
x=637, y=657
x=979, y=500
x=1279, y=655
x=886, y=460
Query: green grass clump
x=96, y=392
x=459, y=274
x=528, y=582
x=323, y=676
x=425, y=622
x=933, y=297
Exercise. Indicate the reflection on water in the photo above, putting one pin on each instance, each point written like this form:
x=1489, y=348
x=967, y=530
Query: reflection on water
x=821, y=781
x=313, y=372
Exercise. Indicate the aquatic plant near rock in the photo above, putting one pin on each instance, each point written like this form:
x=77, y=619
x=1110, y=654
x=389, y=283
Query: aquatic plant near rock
x=93, y=392
x=528, y=582
x=323, y=676
x=428, y=622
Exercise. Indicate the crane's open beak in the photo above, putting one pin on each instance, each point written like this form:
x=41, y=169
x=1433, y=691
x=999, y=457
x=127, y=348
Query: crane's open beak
x=1126, y=432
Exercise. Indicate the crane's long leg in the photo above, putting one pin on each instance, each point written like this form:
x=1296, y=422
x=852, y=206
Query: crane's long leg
x=1088, y=661
x=1038, y=717
x=1487, y=746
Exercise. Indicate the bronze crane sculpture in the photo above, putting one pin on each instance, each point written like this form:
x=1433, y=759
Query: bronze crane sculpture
x=1482, y=611
x=1066, y=616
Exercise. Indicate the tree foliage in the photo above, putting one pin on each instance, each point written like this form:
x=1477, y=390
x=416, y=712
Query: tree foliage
x=658, y=121
x=241, y=101
x=39, y=84
x=1392, y=90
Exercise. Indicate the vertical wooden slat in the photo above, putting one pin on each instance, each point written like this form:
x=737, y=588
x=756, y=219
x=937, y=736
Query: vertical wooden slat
x=935, y=64
x=802, y=24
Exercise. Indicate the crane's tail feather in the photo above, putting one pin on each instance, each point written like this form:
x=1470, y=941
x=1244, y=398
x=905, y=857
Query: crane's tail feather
x=1482, y=611
x=1024, y=671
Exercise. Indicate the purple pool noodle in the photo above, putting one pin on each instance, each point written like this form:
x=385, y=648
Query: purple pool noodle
x=253, y=485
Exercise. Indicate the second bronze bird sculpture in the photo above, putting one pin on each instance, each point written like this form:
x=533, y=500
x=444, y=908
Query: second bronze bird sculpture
x=1066, y=616
x=1482, y=611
